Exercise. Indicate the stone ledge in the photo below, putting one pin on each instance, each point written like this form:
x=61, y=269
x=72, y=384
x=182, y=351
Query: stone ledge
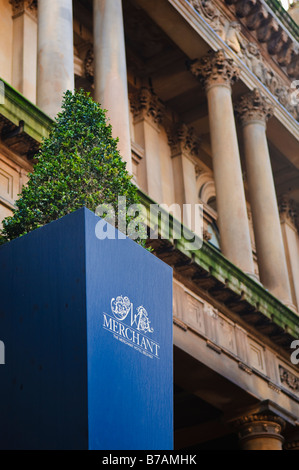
x=22, y=124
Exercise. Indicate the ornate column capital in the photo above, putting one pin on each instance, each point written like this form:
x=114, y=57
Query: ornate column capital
x=253, y=106
x=259, y=427
x=146, y=104
x=182, y=139
x=21, y=6
x=215, y=69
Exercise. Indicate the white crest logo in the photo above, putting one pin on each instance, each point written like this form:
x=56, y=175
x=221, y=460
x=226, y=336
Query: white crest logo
x=131, y=326
x=122, y=306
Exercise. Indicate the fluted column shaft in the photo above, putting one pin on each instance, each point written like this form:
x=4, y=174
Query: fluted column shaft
x=55, y=74
x=254, y=111
x=147, y=112
x=217, y=73
x=110, y=72
x=24, y=47
x=184, y=149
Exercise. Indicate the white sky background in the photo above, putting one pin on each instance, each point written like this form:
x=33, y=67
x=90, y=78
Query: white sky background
x=285, y=3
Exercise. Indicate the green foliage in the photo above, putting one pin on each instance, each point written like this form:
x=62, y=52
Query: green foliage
x=78, y=165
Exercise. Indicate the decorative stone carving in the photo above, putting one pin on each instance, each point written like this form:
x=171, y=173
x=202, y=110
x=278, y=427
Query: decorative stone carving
x=233, y=37
x=182, y=138
x=89, y=65
x=253, y=59
x=284, y=57
x=288, y=379
x=207, y=235
x=244, y=7
x=215, y=69
x=253, y=107
x=267, y=29
x=145, y=103
x=287, y=209
x=228, y=31
x=22, y=6
x=207, y=8
x=256, y=17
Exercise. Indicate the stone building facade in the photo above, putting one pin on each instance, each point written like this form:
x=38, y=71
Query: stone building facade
x=203, y=95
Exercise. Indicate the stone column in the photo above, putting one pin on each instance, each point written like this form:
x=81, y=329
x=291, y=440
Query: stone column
x=289, y=224
x=260, y=432
x=110, y=71
x=55, y=70
x=184, y=146
x=254, y=110
x=24, y=47
x=217, y=74
x=148, y=112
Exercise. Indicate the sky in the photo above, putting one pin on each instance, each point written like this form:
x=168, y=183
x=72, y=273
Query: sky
x=285, y=3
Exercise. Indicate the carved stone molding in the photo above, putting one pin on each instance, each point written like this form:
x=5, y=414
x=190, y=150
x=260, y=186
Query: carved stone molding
x=245, y=368
x=182, y=139
x=215, y=69
x=146, y=104
x=258, y=418
x=253, y=107
x=21, y=6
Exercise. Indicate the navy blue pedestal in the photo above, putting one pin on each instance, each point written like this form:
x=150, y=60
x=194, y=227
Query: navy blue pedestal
x=87, y=328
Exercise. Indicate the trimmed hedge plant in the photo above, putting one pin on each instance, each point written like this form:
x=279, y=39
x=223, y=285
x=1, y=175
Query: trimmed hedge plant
x=78, y=165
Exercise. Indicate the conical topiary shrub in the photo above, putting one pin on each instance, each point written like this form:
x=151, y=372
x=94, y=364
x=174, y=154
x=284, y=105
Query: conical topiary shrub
x=78, y=165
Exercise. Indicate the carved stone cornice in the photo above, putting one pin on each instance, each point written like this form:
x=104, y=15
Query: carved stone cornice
x=146, y=104
x=24, y=6
x=253, y=15
x=258, y=17
x=253, y=107
x=215, y=69
x=182, y=139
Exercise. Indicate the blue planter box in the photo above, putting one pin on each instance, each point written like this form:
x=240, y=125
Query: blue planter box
x=87, y=328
